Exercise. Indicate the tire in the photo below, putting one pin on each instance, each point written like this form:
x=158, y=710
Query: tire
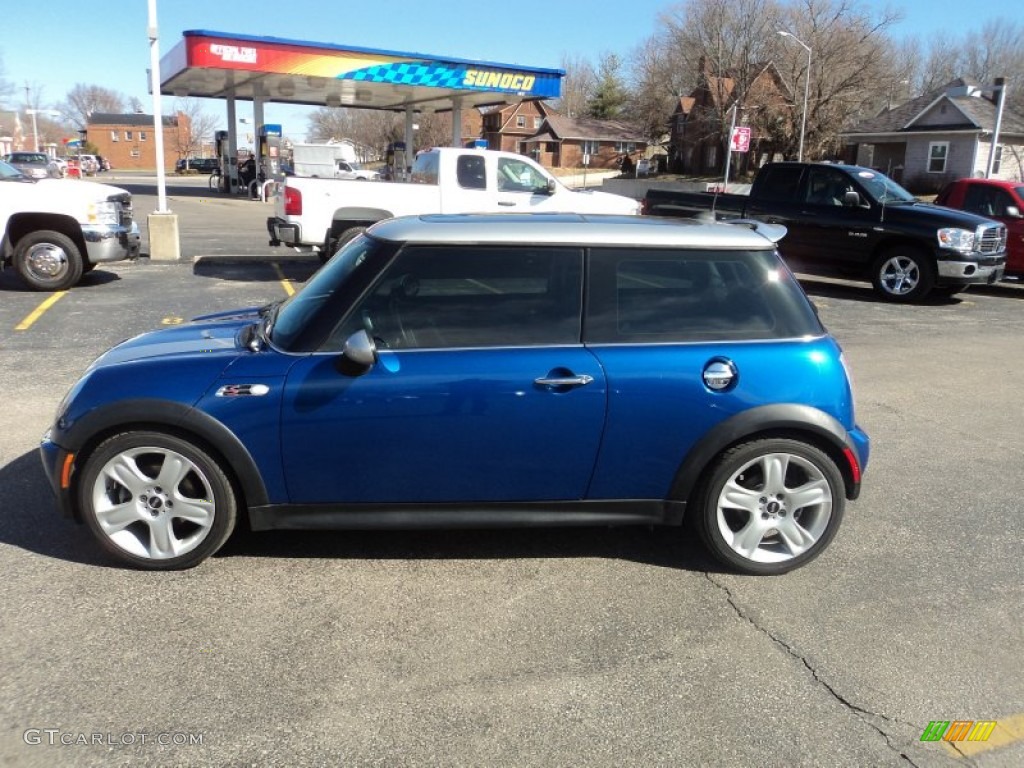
x=333, y=244
x=903, y=274
x=770, y=506
x=156, y=501
x=48, y=261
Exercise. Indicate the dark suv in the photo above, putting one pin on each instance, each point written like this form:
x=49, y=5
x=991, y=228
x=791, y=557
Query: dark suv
x=482, y=371
x=197, y=164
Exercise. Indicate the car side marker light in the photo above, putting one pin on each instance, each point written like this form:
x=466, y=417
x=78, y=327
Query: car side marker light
x=851, y=457
x=65, y=472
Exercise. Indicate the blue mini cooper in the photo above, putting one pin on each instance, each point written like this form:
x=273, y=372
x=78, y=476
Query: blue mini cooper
x=482, y=371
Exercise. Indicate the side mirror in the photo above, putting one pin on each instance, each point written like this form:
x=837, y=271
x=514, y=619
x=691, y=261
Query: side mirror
x=551, y=186
x=851, y=199
x=1012, y=212
x=358, y=355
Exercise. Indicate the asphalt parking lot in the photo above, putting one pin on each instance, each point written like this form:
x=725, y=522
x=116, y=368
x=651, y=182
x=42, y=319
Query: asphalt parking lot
x=581, y=647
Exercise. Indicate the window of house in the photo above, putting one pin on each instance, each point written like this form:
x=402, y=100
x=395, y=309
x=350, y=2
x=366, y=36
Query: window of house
x=520, y=121
x=625, y=146
x=591, y=147
x=938, y=151
x=127, y=135
x=537, y=121
x=135, y=153
x=113, y=136
x=998, y=159
x=142, y=135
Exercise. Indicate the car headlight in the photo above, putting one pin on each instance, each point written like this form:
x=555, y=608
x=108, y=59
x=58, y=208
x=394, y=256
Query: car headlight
x=103, y=213
x=956, y=239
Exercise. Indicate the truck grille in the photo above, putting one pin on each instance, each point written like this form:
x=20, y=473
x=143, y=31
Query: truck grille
x=124, y=202
x=991, y=238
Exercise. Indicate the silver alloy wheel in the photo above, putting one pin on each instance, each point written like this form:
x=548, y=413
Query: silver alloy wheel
x=774, y=508
x=47, y=261
x=153, y=503
x=899, y=275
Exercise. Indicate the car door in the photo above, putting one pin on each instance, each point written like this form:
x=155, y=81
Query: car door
x=482, y=392
x=521, y=187
x=831, y=235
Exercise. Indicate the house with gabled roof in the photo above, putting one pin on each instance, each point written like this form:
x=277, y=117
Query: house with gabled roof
x=506, y=126
x=943, y=135
x=700, y=121
x=563, y=142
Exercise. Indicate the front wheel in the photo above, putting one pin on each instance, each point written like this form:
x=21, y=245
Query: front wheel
x=770, y=506
x=903, y=274
x=48, y=261
x=156, y=501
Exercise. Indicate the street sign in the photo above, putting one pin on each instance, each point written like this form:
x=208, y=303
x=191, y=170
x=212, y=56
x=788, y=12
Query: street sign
x=740, y=141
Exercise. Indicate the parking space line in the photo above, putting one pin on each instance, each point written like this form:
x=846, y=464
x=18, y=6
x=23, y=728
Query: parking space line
x=285, y=282
x=36, y=313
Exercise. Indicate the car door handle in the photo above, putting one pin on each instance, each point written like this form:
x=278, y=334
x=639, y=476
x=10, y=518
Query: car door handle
x=564, y=381
x=505, y=202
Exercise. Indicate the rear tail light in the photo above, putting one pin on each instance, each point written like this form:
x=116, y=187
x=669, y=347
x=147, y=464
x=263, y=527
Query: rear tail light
x=292, y=202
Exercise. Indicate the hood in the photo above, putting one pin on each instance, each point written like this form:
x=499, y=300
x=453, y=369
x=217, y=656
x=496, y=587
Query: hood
x=210, y=336
x=937, y=215
x=93, y=189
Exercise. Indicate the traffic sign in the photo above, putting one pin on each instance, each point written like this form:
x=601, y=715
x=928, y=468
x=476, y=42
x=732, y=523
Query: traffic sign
x=740, y=141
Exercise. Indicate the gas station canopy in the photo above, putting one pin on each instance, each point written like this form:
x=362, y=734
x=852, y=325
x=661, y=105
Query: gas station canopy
x=269, y=69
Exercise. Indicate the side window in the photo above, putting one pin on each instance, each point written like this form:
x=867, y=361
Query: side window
x=1001, y=200
x=469, y=171
x=517, y=176
x=779, y=183
x=659, y=296
x=437, y=297
x=826, y=186
x=978, y=200
x=424, y=169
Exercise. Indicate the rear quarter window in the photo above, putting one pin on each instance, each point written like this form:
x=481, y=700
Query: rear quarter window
x=662, y=296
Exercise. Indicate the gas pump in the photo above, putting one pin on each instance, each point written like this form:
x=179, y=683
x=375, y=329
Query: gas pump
x=395, y=163
x=268, y=152
x=228, y=167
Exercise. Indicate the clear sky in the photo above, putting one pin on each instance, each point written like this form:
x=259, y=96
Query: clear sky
x=61, y=43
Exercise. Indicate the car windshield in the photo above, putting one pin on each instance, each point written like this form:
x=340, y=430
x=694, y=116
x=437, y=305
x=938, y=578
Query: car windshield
x=882, y=189
x=10, y=173
x=284, y=326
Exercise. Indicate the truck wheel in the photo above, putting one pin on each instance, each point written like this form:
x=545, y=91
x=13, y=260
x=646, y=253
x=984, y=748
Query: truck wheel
x=903, y=274
x=48, y=261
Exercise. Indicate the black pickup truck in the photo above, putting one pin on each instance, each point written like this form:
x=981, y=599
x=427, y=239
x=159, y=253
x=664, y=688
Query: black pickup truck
x=849, y=221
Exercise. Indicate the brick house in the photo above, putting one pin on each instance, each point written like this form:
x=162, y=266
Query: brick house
x=562, y=142
x=945, y=134
x=127, y=140
x=699, y=122
x=507, y=126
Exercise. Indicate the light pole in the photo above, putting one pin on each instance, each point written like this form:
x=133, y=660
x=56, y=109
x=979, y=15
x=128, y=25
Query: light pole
x=807, y=85
x=35, y=128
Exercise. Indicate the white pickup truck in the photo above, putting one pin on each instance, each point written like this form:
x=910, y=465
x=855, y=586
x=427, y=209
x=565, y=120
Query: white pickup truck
x=321, y=214
x=55, y=230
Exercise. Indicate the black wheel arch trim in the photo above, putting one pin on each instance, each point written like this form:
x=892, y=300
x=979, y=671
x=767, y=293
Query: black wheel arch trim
x=781, y=420
x=88, y=431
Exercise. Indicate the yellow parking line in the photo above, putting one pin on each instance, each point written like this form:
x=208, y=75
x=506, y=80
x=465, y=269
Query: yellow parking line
x=36, y=313
x=1008, y=730
x=285, y=282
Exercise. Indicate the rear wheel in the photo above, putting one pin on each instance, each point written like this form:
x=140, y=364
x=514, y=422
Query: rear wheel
x=156, y=501
x=903, y=274
x=770, y=506
x=48, y=261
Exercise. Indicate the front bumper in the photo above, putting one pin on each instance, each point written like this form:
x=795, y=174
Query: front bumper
x=107, y=242
x=283, y=232
x=54, y=458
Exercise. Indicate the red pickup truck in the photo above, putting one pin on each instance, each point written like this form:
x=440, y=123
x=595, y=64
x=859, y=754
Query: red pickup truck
x=993, y=199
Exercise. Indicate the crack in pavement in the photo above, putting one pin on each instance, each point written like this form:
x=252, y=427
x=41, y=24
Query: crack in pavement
x=860, y=712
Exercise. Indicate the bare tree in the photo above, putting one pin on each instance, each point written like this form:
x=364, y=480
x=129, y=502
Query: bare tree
x=6, y=86
x=200, y=127
x=851, y=59
x=83, y=100
x=577, y=86
x=371, y=128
